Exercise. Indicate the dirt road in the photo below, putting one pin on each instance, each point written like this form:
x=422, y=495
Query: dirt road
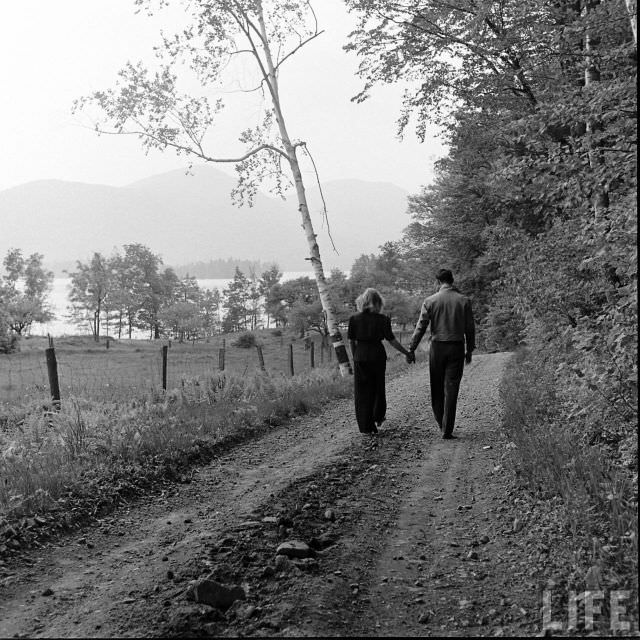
x=417, y=536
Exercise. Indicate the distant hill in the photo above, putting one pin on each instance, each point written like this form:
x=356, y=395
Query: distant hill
x=190, y=218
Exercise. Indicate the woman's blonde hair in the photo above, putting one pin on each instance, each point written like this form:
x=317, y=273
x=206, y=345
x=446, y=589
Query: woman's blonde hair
x=370, y=300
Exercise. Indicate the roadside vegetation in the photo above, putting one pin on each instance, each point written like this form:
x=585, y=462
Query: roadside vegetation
x=59, y=468
x=578, y=450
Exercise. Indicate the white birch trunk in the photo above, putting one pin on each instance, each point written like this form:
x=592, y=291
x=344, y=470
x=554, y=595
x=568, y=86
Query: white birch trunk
x=307, y=225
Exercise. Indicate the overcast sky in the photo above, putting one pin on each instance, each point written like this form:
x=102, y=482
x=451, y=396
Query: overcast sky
x=54, y=51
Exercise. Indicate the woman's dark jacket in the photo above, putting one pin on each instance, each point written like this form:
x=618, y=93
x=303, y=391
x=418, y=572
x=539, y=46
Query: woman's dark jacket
x=368, y=329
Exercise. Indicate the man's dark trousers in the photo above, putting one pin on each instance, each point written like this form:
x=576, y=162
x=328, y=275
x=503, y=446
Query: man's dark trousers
x=446, y=364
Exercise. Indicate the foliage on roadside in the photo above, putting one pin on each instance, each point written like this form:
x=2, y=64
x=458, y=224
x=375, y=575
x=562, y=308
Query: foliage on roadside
x=583, y=457
x=45, y=455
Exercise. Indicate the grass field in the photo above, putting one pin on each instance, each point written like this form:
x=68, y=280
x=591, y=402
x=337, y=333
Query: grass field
x=132, y=368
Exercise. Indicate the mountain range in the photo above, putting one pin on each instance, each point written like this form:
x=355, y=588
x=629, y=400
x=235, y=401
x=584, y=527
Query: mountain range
x=190, y=217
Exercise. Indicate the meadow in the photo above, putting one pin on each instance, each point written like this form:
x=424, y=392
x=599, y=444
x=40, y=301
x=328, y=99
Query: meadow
x=130, y=368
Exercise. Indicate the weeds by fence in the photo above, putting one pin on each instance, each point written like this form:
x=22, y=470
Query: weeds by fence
x=93, y=452
x=129, y=369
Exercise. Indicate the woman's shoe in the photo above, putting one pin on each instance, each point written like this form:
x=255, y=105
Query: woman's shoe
x=373, y=431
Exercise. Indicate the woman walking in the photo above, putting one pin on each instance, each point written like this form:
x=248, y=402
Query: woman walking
x=366, y=331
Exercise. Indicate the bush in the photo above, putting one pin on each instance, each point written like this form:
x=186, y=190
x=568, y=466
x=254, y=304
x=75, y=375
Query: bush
x=552, y=456
x=276, y=332
x=245, y=340
x=9, y=342
x=502, y=330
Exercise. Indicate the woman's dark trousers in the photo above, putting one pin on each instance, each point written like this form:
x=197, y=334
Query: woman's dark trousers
x=446, y=364
x=369, y=394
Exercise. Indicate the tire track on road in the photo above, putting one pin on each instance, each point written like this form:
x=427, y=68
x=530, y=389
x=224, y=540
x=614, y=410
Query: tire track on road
x=424, y=573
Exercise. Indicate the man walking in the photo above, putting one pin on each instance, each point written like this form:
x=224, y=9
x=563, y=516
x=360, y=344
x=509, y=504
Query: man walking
x=451, y=319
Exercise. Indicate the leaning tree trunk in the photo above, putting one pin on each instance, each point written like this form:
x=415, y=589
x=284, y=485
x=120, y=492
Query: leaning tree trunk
x=316, y=262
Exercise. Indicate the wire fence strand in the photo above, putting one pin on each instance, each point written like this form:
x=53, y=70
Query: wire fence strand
x=123, y=372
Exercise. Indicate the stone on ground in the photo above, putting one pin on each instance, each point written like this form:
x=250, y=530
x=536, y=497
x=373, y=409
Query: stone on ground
x=215, y=594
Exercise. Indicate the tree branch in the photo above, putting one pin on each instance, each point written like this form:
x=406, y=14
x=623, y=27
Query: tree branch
x=324, y=203
x=191, y=150
x=296, y=49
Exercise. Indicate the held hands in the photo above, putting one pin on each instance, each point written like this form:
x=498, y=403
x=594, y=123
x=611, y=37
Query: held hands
x=467, y=357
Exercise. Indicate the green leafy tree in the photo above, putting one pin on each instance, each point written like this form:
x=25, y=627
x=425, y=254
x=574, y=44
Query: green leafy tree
x=180, y=312
x=270, y=278
x=23, y=293
x=181, y=319
x=90, y=286
x=236, y=302
x=301, y=306
x=211, y=304
x=150, y=289
x=127, y=287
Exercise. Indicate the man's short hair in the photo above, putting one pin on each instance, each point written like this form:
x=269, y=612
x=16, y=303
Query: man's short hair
x=445, y=275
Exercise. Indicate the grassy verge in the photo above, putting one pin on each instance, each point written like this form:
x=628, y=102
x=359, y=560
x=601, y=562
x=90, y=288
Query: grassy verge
x=597, y=490
x=58, y=469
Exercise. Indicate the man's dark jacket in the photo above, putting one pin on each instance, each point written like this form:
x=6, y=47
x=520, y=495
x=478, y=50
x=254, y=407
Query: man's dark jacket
x=450, y=316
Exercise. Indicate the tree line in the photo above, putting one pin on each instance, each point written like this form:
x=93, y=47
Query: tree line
x=132, y=291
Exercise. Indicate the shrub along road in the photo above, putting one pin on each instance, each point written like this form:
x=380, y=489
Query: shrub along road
x=408, y=534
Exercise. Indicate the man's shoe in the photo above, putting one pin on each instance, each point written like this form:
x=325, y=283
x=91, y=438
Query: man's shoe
x=449, y=436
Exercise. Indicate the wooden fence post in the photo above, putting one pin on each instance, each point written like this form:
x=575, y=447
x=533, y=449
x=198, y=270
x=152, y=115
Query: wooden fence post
x=52, y=370
x=165, y=351
x=291, y=358
x=312, y=357
x=260, y=357
x=221, y=356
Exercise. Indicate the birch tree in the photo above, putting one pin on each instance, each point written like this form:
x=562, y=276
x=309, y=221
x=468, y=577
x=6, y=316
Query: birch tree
x=151, y=105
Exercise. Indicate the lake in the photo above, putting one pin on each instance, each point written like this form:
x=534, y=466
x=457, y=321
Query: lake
x=58, y=303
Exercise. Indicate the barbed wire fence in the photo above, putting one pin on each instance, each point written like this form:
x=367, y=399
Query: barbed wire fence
x=121, y=373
